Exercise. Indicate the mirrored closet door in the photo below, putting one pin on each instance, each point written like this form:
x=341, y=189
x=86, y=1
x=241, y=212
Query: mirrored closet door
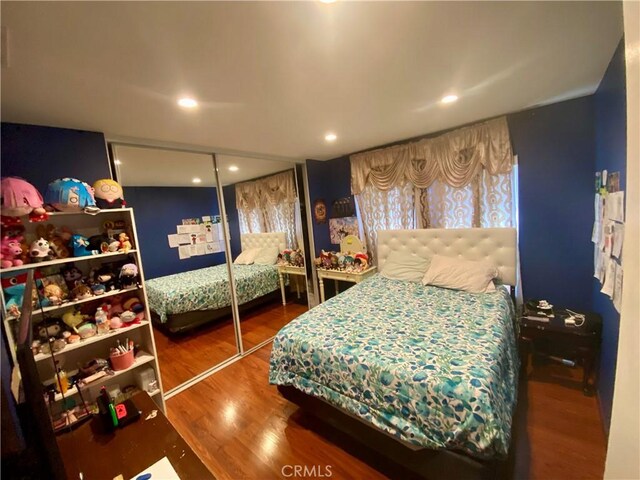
x=267, y=243
x=175, y=200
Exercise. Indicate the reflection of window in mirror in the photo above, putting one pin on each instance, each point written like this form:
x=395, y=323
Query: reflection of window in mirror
x=262, y=202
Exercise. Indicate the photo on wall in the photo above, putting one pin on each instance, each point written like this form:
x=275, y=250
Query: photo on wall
x=341, y=227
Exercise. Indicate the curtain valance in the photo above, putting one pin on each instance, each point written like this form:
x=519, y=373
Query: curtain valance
x=271, y=190
x=454, y=158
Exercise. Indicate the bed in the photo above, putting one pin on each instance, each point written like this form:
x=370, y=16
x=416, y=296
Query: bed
x=425, y=369
x=186, y=300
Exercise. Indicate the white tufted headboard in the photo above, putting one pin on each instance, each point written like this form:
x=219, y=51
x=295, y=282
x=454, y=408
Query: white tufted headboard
x=262, y=240
x=497, y=245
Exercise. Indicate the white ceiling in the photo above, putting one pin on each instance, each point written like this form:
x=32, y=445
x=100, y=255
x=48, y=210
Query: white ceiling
x=274, y=77
x=146, y=167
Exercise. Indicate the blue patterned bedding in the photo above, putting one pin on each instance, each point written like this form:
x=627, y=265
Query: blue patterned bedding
x=434, y=367
x=208, y=288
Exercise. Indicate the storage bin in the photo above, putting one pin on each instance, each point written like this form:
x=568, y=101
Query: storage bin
x=121, y=361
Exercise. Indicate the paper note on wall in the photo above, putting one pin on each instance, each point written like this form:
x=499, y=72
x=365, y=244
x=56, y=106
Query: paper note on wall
x=618, y=239
x=617, y=288
x=184, y=251
x=609, y=277
x=173, y=240
x=615, y=206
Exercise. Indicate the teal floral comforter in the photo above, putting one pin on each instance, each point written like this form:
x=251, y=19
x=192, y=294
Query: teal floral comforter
x=434, y=367
x=208, y=288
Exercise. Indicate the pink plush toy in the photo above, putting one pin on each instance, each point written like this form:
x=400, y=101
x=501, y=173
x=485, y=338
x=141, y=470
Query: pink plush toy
x=20, y=198
x=11, y=251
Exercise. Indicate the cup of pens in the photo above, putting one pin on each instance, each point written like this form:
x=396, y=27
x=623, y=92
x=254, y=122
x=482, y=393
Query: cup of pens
x=121, y=356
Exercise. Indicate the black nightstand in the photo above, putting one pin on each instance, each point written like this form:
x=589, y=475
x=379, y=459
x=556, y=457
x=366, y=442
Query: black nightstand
x=564, y=343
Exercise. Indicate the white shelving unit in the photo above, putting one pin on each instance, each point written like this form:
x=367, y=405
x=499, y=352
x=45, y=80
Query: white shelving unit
x=77, y=354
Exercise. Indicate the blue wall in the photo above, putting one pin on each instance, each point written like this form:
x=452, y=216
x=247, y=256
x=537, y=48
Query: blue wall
x=556, y=155
x=611, y=154
x=42, y=154
x=158, y=210
x=330, y=180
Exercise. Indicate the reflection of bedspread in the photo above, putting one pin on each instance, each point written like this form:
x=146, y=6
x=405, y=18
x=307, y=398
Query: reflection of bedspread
x=208, y=288
x=434, y=367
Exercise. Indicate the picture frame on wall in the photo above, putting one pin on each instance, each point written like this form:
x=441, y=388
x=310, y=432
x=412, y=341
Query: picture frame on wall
x=341, y=227
x=320, y=211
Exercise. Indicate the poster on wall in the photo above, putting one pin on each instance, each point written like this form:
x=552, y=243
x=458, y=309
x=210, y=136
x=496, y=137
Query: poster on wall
x=197, y=236
x=341, y=227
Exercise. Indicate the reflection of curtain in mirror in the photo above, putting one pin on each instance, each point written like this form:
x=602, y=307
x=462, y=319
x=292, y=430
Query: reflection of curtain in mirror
x=269, y=205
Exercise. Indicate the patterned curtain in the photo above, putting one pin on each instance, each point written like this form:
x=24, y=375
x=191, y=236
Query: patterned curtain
x=485, y=202
x=385, y=210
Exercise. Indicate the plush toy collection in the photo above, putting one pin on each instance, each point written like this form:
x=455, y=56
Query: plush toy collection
x=294, y=258
x=342, y=261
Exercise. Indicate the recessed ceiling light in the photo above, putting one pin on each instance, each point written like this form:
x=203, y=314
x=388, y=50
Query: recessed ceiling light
x=327, y=1
x=117, y=162
x=187, y=102
x=196, y=180
x=449, y=99
x=330, y=137
x=233, y=168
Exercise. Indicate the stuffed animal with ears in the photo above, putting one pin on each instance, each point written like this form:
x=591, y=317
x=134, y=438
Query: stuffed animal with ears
x=58, y=239
x=11, y=252
x=106, y=276
x=128, y=275
x=40, y=250
x=72, y=275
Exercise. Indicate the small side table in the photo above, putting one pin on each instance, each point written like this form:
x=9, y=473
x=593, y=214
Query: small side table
x=337, y=275
x=565, y=343
x=290, y=270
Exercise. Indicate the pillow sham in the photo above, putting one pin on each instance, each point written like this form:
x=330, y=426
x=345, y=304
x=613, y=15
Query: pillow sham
x=400, y=266
x=459, y=274
x=247, y=257
x=267, y=256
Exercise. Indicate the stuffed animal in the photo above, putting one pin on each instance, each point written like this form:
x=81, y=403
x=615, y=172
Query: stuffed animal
x=72, y=275
x=40, y=250
x=80, y=246
x=11, y=252
x=128, y=275
x=72, y=319
x=100, y=243
x=51, y=328
x=106, y=276
x=108, y=194
x=71, y=195
x=58, y=239
x=81, y=292
x=53, y=294
x=14, y=290
x=361, y=261
x=125, y=244
x=98, y=289
x=20, y=198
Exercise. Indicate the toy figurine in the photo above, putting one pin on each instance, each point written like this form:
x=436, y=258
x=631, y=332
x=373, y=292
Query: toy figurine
x=10, y=252
x=128, y=275
x=71, y=195
x=106, y=277
x=108, y=194
x=125, y=244
x=72, y=275
x=40, y=251
x=81, y=292
x=20, y=198
x=80, y=246
x=54, y=294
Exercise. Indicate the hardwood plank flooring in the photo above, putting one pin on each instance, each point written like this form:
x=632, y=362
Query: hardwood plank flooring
x=241, y=427
x=181, y=357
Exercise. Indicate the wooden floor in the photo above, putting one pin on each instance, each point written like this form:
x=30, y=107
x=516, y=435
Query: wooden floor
x=181, y=357
x=241, y=427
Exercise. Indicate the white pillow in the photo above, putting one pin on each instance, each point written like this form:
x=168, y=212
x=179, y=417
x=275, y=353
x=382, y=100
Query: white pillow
x=247, y=257
x=459, y=274
x=401, y=266
x=267, y=256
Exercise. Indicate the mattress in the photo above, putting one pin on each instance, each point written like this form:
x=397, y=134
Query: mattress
x=208, y=288
x=433, y=367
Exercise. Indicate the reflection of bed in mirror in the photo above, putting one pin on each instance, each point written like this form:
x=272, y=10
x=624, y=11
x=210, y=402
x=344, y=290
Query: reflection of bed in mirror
x=187, y=300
